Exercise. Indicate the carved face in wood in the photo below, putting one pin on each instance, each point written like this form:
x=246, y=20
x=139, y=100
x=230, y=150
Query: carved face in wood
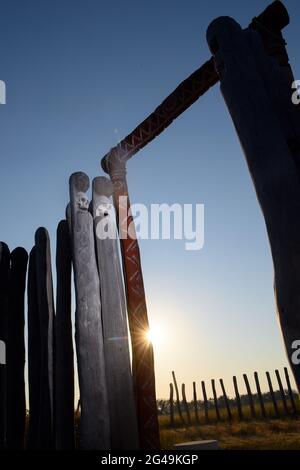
x=82, y=201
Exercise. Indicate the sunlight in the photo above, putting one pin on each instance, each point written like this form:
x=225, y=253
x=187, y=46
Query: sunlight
x=155, y=335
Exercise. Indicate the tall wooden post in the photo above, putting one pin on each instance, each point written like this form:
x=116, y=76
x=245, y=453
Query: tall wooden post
x=185, y=404
x=213, y=386
x=34, y=354
x=238, y=398
x=282, y=394
x=257, y=91
x=177, y=398
x=16, y=406
x=205, y=402
x=226, y=400
x=195, y=403
x=250, y=397
x=291, y=394
x=142, y=350
x=272, y=394
x=171, y=405
x=4, y=282
x=123, y=421
x=64, y=357
x=260, y=397
x=46, y=319
x=94, y=424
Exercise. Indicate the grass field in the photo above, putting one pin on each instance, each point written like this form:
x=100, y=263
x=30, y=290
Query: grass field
x=270, y=434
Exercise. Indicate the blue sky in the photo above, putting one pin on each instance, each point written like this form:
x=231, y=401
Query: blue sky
x=80, y=75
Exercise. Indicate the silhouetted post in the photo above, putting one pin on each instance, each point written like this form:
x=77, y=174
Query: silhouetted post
x=272, y=394
x=293, y=404
x=34, y=355
x=16, y=406
x=177, y=397
x=123, y=419
x=185, y=404
x=250, y=398
x=205, y=401
x=195, y=403
x=213, y=386
x=270, y=138
x=226, y=400
x=4, y=279
x=171, y=405
x=260, y=398
x=46, y=316
x=238, y=398
x=64, y=357
x=94, y=422
x=282, y=394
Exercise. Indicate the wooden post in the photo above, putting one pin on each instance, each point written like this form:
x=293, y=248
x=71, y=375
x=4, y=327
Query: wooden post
x=34, y=355
x=260, y=398
x=250, y=398
x=238, y=398
x=282, y=394
x=177, y=397
x=195, y=403
x=226, y=400
x=94, y=423
x=16, y=406
x=64, y=357
x=142, y=351
x=4, y=280
x=185, y=404
x=46, y=318
x=171, y=405
x=213, y=386
x=271, y=143
x=292, y=400
x=205, y=402
x=272, y=394
x=123, y=420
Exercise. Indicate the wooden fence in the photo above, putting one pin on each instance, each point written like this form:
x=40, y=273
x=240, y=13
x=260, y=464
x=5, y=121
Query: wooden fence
x=252, y=405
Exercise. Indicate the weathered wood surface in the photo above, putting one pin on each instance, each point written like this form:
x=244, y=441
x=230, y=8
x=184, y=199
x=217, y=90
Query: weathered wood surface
x=123, y=421
x=226, y=400
x=185, y=404
x=238, y=398
x=16, y=406
x=177, y=397
x=259, y=394
x=171, y=405
x=205, y=401
x=291, y=395
x=4, y=282
x=34, y=354
x=250, y=397
x=273, y=398
x=195, y=400
x=46, y=318
x=213, y=386
x=273, y=158
x=64, y=357
x=282, y=394
x=94, y=425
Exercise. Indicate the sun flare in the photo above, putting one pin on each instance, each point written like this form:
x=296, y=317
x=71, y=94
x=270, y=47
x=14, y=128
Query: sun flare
x=155, y=336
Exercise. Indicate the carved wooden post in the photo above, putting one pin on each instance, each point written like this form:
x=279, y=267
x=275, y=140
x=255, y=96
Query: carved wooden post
x=185, y=404
x=123, y=422
x=195, y=403
x=205, y=402
x=64, y=360
x=46, y=318
x=16, y=406
x=4, y=279
x=282, y=394
x=94, y=425
x=292, y=399
x=253, y=85
x=260, y=398
x=272, y=395
x=34, y=355
x=213, y=386
x=226, y=400
x=142, y=350
x=238, y=398
x=177, y=397
x=171, y=405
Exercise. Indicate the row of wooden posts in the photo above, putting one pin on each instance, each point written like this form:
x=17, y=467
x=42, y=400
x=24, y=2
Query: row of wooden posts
x=183, y=408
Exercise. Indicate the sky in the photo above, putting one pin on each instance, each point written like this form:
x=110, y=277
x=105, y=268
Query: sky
x=80, y=75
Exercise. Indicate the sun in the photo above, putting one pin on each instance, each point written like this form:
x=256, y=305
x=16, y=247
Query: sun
x=155, y=336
